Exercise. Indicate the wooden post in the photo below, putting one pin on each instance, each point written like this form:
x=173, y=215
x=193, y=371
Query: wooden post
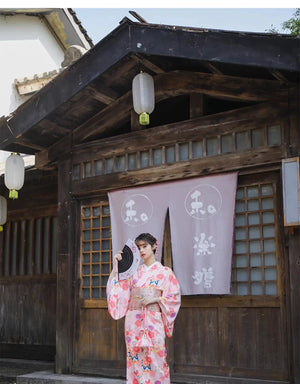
x=1, y=255
x=65, y=257
x=294, y=259
x=135, y=125
x=196, y=105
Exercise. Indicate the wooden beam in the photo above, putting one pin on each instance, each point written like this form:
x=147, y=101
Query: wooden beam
x=237, y=48
x=118, y=111
x=236, y=88
x=279, y=76
x=210, y=125
x=169, y=85
x=212, y=68
x=138, y=17
x=147, y=63
x=180, y=170
x=22, y=141
x=103, y=97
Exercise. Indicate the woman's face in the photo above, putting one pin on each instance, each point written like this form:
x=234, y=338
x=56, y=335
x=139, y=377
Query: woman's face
x=146, y=250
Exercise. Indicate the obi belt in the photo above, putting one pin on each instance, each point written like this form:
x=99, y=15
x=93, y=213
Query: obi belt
x=137, y=294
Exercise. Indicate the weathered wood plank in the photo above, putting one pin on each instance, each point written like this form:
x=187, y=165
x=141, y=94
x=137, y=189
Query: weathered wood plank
x=28, y=308
x=102, y=339
x=206, y=126
x=223, y=86
x=230, y=341
x=215, y=124
x=196, y=105
x=65, y=251
x=147, y=63
x=198, y=345
x=30, y=212
x=181, y=170
x=104, y=96
x=294, y=263
x=217, y=46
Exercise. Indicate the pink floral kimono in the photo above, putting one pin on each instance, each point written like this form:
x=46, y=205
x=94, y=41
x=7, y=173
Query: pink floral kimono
x=145, y=328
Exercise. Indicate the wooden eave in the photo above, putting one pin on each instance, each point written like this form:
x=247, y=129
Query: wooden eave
x=97, y=87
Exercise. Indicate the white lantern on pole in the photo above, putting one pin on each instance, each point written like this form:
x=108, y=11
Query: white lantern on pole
x=3, y=212
x=14, y=174
x=143, y=96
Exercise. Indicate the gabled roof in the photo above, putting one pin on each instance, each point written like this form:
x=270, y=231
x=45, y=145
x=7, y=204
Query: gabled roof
x=98, y=85
x=63, y=22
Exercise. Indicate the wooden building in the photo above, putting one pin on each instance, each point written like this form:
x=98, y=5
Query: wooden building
x=225, y=101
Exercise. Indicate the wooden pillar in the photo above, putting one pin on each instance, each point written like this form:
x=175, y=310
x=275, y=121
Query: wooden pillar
x=65, y=261
x=1, y=255
x=135, y=125
x=196, y=105
x=294, y=259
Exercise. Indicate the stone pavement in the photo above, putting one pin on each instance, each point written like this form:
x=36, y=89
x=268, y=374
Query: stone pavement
x=15, y=371
x=11, y=368
x=48, y=377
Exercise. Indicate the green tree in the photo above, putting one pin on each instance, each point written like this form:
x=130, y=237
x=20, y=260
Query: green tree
x=292, y=25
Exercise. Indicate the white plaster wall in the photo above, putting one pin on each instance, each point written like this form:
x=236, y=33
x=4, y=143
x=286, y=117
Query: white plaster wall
x=27, y=47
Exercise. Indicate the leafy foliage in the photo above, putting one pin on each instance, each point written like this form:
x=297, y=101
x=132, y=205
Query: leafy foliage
x=292, y=25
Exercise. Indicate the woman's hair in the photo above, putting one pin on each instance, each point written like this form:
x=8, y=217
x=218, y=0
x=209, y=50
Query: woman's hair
x=148, y=238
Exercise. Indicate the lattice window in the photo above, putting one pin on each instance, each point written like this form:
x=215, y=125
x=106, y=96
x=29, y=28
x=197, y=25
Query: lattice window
x=95, y=250
x=254, y=259
x=29, y=247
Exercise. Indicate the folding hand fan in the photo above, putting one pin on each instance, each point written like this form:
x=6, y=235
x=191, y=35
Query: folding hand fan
x=130, y=260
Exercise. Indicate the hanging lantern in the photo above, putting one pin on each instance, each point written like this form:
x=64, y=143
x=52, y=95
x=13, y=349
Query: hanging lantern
x=143, y=96
x=3, y=212
x=14, y=174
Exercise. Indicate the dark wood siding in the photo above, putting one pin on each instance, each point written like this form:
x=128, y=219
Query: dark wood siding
x=28, y=271
x=27, y=322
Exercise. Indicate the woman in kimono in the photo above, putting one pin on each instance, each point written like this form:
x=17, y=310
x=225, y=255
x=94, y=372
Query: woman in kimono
x=150, y=300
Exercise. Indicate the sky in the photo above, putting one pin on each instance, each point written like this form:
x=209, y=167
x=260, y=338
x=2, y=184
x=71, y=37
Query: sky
x=100, y=17
x=99, y=22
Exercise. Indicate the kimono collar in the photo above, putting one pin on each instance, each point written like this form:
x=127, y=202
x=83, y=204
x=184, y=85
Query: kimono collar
x=150, y=266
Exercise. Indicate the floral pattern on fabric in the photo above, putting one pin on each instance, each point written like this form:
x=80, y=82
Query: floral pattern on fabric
x=146, y=365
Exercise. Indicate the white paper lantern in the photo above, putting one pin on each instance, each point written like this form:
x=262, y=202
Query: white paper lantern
x=14, y=174
x=3, y=212
x=143, y=96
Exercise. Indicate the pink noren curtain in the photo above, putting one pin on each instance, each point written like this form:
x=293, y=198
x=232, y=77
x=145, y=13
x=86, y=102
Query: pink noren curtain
x=202, y=226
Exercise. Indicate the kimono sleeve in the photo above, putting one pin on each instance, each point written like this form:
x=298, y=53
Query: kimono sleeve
x=118, y=297
x=170, y=301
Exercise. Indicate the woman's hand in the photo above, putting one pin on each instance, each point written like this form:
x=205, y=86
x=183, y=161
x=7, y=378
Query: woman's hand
x=117, y=257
